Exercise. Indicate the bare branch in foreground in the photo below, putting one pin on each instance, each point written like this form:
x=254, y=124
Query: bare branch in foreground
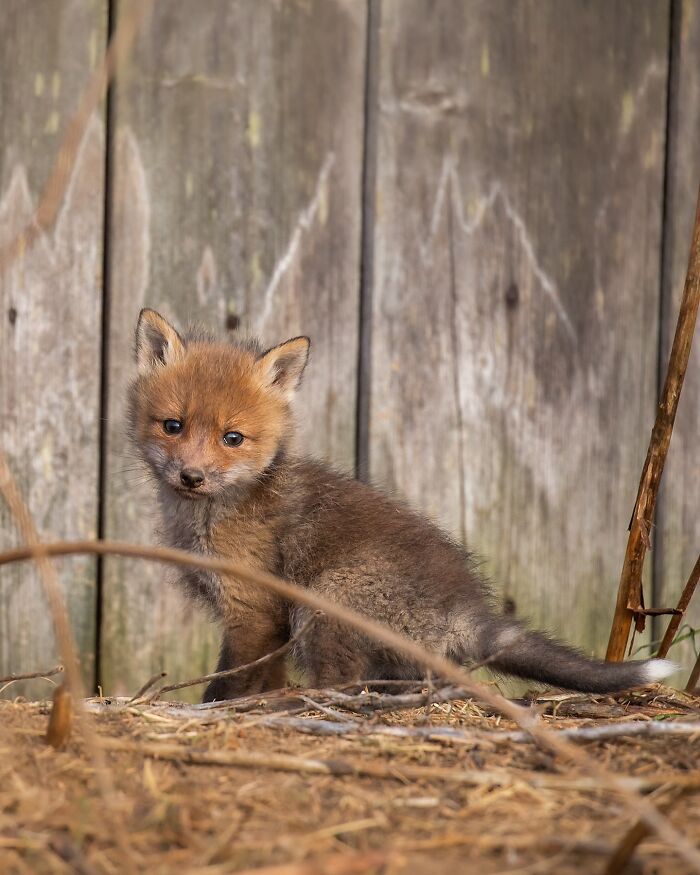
x=442, y=666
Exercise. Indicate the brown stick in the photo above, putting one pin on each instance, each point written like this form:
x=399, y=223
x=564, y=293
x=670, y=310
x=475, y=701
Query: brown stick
x=634, y=836
x=682, y=606
x=11, y=678
x=142, y=690
x=694, y=677
x=48, y=576
x=70, y=694
x=629, y=596
x=61, y=718
x=230, y=672
x=442, y=666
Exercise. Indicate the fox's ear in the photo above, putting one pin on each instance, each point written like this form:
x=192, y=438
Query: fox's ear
x=157, y=342
x=283, y=365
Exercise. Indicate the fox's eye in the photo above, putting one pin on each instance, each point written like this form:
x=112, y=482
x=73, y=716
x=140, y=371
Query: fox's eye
x=172, y=426
x=233, y=438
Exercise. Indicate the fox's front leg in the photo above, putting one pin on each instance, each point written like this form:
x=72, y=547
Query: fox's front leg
x=241, y=645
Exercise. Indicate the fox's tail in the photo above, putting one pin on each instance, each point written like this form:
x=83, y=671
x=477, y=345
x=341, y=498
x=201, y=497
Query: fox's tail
x=508, y=647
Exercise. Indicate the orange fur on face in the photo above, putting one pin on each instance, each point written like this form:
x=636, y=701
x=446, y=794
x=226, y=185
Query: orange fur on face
x=212, y=388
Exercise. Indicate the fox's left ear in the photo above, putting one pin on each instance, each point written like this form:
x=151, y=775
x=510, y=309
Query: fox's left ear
x=157, y=342
x=283, y=365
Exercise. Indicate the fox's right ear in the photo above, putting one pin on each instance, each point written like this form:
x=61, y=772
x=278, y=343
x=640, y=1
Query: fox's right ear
x=157, y=342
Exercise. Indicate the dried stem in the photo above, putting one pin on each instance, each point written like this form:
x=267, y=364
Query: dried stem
x=47, y=573
x=694, y=677
x=630, y=841
x=637, y=729
x=682, y=606
x=147, y=686
x=11, y=678
x=629, y=597
x=442, y=666
x=72, y=693
x=230, y=672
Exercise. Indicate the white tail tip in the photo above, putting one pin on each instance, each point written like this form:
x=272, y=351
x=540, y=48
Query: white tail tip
x=657, y=669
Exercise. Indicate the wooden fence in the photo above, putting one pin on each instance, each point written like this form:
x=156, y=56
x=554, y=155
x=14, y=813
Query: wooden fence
x=480, y=212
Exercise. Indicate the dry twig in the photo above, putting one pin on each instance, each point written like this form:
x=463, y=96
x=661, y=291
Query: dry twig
x=639, y=729
x=11, y=678
x=681, y=608
x=694, y=677
x=147, y=686
x=629, y=597
x=61, y=719
x=632, y=838
x=230, y=672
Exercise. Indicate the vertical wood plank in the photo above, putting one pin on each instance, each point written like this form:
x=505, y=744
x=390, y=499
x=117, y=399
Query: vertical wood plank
x=50, y=314
x=236, y=199
x=516, y=282
x=678, y=542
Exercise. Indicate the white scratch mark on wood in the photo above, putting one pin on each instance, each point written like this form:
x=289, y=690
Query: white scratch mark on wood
x=133, y=224
x=206, y=279
x=303, y=223
x=449, y=184
x=17, y=212
x=209, y=293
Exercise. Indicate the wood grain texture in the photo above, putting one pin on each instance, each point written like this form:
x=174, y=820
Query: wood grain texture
x=678, y=539
x=50, y=315
x=517, y=258
x=237, y=177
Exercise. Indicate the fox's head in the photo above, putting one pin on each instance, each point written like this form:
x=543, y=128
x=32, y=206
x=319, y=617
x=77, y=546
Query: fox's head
x=207, y=416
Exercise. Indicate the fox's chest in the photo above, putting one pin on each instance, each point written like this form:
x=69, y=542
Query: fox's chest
x=239, y=540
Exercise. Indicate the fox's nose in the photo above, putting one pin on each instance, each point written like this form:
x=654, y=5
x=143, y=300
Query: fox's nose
x=192, y=477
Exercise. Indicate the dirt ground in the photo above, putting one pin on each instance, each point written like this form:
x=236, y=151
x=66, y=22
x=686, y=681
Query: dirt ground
x=281, y=801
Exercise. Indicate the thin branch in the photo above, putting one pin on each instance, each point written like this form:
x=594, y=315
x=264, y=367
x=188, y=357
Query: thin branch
x=372, y=702
x=623, y=853
x=629, y=596
x=442, y=666
x=694, y=677
x=636, y=729
x=230, y=672
x=11, y=678
x=147, y=686
x=682, y=606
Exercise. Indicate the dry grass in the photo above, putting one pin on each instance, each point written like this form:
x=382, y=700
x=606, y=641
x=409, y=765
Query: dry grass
x=372, y=804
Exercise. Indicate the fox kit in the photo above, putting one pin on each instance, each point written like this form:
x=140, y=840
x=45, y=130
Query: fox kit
x=212, y=420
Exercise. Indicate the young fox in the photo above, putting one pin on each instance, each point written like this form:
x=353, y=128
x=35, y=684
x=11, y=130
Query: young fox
x=212, y=420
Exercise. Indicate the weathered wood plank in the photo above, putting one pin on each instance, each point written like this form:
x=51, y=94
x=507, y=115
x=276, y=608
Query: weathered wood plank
x=50, y=315
x=517, y=257
x=679, y=521
x=237, y=177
